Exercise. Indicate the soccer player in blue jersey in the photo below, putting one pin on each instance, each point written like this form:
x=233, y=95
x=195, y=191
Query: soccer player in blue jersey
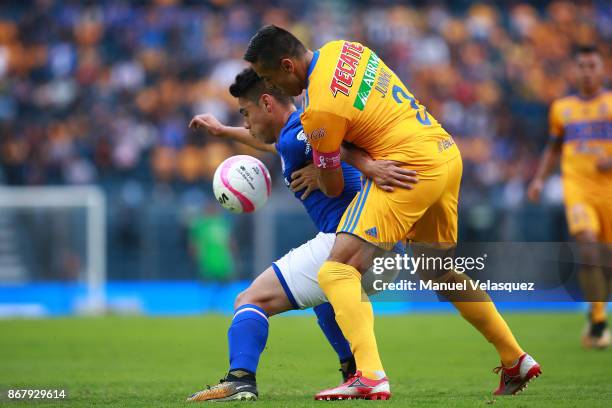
x=272, y=123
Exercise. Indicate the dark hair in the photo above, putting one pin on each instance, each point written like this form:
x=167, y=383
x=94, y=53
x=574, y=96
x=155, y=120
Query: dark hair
x=250, y=86
x=586, y=49
x=271, y=44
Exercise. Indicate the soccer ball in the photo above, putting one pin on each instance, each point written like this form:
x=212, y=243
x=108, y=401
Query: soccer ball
x=242, y=184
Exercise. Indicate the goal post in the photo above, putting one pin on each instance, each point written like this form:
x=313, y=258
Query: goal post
x=92, y=200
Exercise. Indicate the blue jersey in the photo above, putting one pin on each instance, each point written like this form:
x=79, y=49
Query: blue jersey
x=295, y=153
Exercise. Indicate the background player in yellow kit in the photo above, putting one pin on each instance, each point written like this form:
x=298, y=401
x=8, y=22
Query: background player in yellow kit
x=351, y=95
x=581, y=134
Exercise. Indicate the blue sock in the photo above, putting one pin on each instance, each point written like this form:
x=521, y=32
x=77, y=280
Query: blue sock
x=327, y=321
x=247, y=337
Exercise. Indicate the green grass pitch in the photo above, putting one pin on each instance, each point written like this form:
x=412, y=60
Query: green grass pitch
x=434, y=360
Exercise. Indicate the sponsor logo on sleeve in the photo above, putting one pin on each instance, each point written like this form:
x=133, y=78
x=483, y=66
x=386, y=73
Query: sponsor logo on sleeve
x=316, y=135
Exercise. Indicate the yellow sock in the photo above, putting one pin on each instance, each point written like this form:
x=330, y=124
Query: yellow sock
x=342, y=285
x=485, y=317
x=598, y=312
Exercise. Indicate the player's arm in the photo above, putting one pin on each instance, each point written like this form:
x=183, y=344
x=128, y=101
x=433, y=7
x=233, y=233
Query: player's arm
x=242, y=135
x=325, y=133
x=331, y=181
x=548, y=163
x=385, y=173
x=550, y=157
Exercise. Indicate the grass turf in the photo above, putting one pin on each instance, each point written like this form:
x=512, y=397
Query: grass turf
x=432, y=360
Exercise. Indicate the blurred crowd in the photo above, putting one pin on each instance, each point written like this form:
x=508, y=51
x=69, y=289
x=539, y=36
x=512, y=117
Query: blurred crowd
x=102, y=92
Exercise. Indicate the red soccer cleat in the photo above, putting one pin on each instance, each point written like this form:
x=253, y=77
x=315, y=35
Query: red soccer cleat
x=514, y=379
x=357, y=387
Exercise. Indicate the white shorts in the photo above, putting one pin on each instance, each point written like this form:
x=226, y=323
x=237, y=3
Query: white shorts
x=297, y=271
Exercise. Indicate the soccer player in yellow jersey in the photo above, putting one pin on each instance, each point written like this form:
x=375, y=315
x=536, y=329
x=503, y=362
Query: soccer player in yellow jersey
x=581, y=135
x=352, y=96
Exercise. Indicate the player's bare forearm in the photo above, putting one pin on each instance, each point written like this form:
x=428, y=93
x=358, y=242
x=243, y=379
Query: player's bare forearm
x=550, y=158
x=387, y=174
x=356, y=157
x=549, y=162
x=331, y=181
x=242, y=135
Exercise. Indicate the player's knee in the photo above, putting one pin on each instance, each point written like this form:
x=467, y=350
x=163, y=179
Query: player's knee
x=339, y=255
x=251, y=296
x=589, y=260
x=240, y=299
x=329, y=272
x=247, y=297
x=589, y=249
x=350, y=250
x=589, y=255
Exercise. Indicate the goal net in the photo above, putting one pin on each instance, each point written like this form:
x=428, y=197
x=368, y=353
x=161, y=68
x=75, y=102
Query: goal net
x=52, y=243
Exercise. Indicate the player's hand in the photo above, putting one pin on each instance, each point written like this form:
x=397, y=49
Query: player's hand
x=604, y=164
x=305, y=179
x=535, y=190
x=388, y=174
x=209, y=123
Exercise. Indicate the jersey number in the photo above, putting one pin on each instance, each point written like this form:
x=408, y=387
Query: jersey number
x=397, y=91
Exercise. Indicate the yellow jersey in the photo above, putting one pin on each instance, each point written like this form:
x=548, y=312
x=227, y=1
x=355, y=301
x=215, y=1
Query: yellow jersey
x=353, y=96
x=585, y=127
